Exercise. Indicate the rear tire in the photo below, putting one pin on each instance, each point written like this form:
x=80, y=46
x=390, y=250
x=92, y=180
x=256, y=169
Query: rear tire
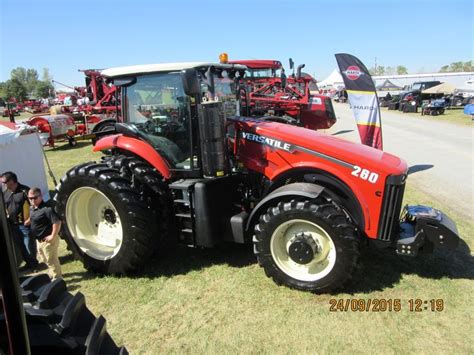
x=107, y=224
x=310, y=246
x=150, y=184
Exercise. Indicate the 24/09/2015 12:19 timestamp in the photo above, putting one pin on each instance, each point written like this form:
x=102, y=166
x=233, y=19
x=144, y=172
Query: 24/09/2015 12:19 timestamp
x=385, y=305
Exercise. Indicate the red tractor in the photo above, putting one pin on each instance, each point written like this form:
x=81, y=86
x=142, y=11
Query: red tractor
x=185, y=165
x=296, y=97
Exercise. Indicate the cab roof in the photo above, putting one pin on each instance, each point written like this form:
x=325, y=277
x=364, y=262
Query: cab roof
x=163, y=67
x=258, y=63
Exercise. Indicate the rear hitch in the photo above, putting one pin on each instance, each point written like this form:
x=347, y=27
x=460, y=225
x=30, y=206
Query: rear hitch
x=422, y=228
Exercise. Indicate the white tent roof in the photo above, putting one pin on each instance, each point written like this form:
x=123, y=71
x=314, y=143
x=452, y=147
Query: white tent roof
x=443, y=88
x=7, y=135
x=334, y=79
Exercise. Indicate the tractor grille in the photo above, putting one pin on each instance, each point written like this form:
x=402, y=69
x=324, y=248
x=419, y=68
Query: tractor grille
x=391, y=207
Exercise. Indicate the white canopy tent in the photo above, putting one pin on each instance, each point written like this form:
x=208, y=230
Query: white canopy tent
x=333, y=81
x=21, y=152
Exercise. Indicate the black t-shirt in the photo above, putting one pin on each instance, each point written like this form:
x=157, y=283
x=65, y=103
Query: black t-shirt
x=14, y=202
x=42, y=220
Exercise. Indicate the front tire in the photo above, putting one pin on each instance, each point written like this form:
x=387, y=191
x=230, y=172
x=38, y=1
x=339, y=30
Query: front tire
x=310, y=246
x=106, y=222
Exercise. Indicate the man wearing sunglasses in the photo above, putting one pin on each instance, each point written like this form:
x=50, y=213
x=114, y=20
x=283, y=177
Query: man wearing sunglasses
x=18, y=209
x=45, y=225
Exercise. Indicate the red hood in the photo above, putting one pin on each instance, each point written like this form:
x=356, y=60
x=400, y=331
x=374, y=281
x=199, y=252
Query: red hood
x=353, y=153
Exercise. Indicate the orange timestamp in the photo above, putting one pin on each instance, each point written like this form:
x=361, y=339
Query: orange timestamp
x=385, y=305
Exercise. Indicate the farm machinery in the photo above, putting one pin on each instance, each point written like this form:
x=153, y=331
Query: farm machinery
x=270, y=92
x=95, y=109
x=186, y=166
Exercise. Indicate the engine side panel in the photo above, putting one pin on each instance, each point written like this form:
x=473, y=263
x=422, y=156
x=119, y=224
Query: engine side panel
x=273, y=149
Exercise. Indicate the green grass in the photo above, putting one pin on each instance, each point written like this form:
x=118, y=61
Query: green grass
x=220, y=301
x=454, y=115
x=21, y=117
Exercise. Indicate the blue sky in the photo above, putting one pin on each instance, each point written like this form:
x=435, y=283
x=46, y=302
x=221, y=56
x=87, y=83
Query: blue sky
x=68, y=35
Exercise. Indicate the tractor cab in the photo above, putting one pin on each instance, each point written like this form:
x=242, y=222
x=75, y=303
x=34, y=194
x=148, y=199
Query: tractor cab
x=180, y=111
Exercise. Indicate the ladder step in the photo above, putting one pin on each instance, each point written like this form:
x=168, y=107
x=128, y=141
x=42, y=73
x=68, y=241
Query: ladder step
x=183, y=184
x=182, y=201
x=183, y=215
x=186, y=230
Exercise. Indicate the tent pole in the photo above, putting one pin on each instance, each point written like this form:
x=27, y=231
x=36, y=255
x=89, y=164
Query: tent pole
x=50, y=172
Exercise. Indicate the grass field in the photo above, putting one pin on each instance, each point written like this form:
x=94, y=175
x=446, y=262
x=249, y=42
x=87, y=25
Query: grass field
x=220, y=301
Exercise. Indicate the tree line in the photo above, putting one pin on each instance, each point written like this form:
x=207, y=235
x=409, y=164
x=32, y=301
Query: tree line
x=458, y=67
x=25, y=83
x=400, y=69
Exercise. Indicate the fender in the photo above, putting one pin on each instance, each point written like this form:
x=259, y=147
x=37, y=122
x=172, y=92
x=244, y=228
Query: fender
x=102, y=123
x=137, y=147
x=297, y=189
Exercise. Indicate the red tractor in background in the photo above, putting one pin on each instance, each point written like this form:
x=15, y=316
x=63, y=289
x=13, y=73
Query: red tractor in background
x=270, y=92
x=186, y=166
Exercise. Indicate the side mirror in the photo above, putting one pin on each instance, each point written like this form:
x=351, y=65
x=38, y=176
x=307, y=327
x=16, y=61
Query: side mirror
x=191, y=84
x=292, y=64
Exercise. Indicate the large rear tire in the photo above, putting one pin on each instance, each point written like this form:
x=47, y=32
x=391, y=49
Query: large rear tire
x=150, y=184
x=310, y=246
x=107, y=223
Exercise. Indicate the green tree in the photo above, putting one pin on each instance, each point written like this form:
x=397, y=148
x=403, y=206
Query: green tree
x=468, y=66
x=3, y=92
x=15, y=88
x=44, y=89
x=444, y=69
x=28, y=77
x=401, y=70
x=458, y=67
x=379, y=70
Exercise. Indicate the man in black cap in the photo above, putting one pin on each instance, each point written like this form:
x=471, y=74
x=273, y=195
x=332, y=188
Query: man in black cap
x=15, y=196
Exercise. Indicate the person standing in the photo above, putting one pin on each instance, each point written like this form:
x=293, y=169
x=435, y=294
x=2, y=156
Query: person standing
x=45, y=226
x=18, y=209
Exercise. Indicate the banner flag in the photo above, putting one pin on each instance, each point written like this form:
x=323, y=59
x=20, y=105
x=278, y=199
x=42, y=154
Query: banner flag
x=362, y=99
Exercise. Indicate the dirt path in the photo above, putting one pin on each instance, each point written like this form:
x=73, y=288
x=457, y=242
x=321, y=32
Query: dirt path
x=440, y=155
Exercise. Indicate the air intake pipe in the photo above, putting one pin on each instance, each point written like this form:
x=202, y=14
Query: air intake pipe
x=298, y=71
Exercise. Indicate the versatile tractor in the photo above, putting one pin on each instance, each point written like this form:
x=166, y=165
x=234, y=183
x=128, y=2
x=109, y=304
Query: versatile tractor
x=186, y=166
x=295, y=98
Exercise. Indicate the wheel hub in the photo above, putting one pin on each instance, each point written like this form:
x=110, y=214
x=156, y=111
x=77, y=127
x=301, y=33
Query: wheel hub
x=109, y=216
x=302, y=248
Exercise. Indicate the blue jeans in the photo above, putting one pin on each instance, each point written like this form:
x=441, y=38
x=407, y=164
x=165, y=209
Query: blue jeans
x=25, y=246
x=30, y=245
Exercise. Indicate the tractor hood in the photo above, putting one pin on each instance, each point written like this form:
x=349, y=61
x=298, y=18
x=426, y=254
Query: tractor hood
x=293, y=138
